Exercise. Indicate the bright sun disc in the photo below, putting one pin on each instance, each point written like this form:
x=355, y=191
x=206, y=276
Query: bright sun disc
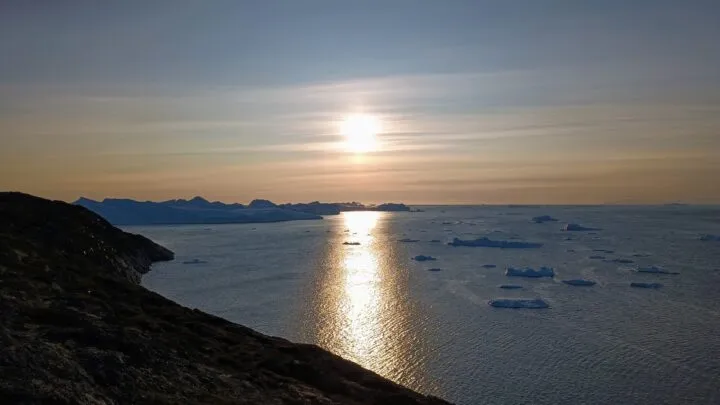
x=360, y=132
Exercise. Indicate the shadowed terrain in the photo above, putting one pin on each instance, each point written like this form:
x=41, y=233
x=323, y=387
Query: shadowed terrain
x=76, y=328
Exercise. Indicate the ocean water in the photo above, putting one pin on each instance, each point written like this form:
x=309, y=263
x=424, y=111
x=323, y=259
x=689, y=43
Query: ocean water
x=434, y=330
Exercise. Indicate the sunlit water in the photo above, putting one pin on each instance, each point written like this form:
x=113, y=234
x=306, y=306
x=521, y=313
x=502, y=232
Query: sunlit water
x=434, y=332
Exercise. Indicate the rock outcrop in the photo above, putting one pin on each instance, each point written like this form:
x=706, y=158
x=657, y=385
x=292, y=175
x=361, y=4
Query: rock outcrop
x=76, y=328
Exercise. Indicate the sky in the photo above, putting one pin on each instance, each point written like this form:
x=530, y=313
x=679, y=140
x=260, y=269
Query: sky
x=547, y=102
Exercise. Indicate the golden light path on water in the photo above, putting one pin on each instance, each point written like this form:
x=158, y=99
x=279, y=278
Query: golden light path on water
x=361, y=308
x=361, y=300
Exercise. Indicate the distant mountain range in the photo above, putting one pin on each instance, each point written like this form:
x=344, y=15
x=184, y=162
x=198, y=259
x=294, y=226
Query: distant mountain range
x=121, y=211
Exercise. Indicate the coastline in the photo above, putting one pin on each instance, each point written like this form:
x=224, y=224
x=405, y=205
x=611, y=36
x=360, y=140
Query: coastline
x=78, y=328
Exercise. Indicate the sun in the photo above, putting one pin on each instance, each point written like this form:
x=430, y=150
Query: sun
x=360, y=132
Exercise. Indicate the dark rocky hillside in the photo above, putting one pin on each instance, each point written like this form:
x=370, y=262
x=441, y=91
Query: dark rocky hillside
x=75, y=328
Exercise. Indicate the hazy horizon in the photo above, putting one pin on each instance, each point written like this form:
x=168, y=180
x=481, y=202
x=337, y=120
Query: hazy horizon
x=528, y=102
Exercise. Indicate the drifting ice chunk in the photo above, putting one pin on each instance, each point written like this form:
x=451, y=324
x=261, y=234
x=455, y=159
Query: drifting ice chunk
x=543, y=218
x=580, y=282
x=577, y=227
x=646, y=285
x=351, y=243
x=654, y=270
x=423, y=258
x=194, y=261
x=530, y=272
x=510, y=286
x=518, y=303
x=486, y=242
x=621, y=261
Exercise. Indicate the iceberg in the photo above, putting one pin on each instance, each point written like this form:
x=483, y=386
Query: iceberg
x=423, y=258
x=543, y=218
x=194, y=261
x=621, y=261
x=536, y=303
x=646, y=285
x=530, y=272
x=510, y=286
x=577, y=227
x=580, y=282
x=654, y=270
x=486, y=242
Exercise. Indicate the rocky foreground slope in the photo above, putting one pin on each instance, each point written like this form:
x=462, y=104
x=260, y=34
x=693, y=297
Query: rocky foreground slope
x=76, y=328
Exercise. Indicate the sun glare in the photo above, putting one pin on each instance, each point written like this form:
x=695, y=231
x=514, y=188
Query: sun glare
x=360, y=132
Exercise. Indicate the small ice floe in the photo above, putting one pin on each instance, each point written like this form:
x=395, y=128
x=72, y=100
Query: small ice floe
x=510, y=286
x=580, y=282
x=194, y=261
x=530, y=272
x=654, y=270
x=528, y=303
x=423, y=258
x=502, y=244
x=408, y=240
x=620, y=261
x=351, y=243
x=577, y=227
x=646, y=285
x=543, y=218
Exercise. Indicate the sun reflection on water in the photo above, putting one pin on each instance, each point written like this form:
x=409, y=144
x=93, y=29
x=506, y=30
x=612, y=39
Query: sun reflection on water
x=360, y=301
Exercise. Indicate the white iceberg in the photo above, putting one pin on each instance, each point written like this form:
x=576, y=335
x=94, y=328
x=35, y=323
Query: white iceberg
x=486, y=242
x=580, y=282
x=423, y=258
x=543, y=218
x=621, y=261
x=194, y=261
x=530, y=272
x=654, y=270
x=646, y=285
x=577, y=227
x=518, y=303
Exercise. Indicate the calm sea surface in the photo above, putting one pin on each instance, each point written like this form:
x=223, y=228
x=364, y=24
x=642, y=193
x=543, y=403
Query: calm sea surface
x=433, y=330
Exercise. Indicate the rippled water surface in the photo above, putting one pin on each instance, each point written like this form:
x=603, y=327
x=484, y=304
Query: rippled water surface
x=433, y=330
